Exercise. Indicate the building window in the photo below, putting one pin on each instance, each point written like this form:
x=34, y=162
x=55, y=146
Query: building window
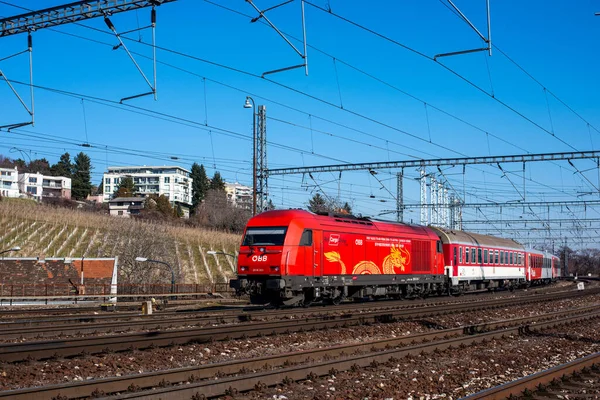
x=115, y=181
x=120, y=213
x=32, y=190
x=167, y=179
x=107, y=181
x=32, y=179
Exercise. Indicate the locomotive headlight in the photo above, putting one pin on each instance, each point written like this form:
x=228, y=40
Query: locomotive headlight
x=261, y=249
x=243, y=268
x=275, y=268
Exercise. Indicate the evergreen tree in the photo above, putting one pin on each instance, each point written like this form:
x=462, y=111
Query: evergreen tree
x=317, y=204
x=200, y=185
x=40, y=165
x=63, y=167
x=81, y=184
x=126, y=188
x=20, y=164
x=217, y=183
x=163, y=205
x=346, y=208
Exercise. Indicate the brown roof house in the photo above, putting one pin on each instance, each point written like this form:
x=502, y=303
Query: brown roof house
x=125, y=206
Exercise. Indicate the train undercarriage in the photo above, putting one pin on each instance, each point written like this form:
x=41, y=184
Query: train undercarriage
x=303, y=291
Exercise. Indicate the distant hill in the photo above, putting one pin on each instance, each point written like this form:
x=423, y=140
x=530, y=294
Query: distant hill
x=45, y=231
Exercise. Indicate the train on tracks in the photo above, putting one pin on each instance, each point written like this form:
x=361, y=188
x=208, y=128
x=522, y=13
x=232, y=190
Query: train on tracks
x=295, y=257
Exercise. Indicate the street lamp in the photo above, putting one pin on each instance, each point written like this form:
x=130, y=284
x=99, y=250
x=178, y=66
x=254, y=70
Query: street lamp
x=16, y=248
x=250, y=104
x=144, y=259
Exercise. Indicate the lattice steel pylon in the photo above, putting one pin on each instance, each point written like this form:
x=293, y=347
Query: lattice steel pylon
x=262, y=191
x=400, y=196
x=433, y=190
x=424, y=209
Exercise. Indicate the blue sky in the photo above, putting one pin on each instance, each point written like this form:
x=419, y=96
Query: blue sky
x=366, y=97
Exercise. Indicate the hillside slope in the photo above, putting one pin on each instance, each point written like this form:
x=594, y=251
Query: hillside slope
x=44, y=231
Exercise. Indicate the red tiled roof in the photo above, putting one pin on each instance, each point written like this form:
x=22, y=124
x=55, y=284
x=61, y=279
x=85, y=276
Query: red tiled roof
x=98, y=269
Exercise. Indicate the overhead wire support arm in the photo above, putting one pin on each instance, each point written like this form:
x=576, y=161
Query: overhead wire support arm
x=30, y=111
x=487, y=40
x=79, y=11
x=303, y=55
x=111, y=26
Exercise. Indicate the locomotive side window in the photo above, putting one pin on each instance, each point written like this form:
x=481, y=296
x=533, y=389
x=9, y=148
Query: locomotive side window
x=439, y=246
x=497, y=260
x=501, y=257
x=472, y=255
x=466, y=255
x=460, y=254
x=479, y=256
x=485, y=256
x=273, y=236
x=306, y=239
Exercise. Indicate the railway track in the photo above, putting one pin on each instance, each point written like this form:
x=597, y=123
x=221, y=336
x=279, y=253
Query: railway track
x=220, y=379
x=161, y=332
x=577, y=379
x=71, y=347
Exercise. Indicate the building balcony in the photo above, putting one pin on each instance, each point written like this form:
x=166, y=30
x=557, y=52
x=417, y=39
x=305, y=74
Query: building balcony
x=50, y=185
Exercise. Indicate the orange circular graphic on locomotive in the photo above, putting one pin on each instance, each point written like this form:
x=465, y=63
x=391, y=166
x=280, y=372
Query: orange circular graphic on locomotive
x=366, y=268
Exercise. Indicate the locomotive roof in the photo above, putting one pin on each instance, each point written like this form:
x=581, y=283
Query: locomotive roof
x=450, y=236
x=341, y=221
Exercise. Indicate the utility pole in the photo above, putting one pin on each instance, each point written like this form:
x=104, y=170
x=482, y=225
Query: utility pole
x=261, y=168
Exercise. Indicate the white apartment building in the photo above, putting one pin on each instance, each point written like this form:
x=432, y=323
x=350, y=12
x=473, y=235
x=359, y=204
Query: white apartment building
x=239, y=195
x=38, y=186
x=171, y=181
x=9, y=182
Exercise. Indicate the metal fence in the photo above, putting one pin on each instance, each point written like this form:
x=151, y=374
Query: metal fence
x=22, y=290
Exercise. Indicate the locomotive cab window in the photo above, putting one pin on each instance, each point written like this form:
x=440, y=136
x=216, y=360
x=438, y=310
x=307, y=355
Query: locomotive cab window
x=273, y=236
x=306, y=239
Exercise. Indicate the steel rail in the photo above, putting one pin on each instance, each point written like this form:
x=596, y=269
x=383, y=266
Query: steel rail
x=277, y=368
x=40, y=350
x=533, y=382
x=49, y=327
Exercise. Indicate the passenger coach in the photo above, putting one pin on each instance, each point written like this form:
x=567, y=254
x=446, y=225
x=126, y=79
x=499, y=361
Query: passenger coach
x=474, y=261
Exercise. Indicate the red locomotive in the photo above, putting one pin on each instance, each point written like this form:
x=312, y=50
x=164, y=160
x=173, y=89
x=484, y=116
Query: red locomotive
x=297, y=257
